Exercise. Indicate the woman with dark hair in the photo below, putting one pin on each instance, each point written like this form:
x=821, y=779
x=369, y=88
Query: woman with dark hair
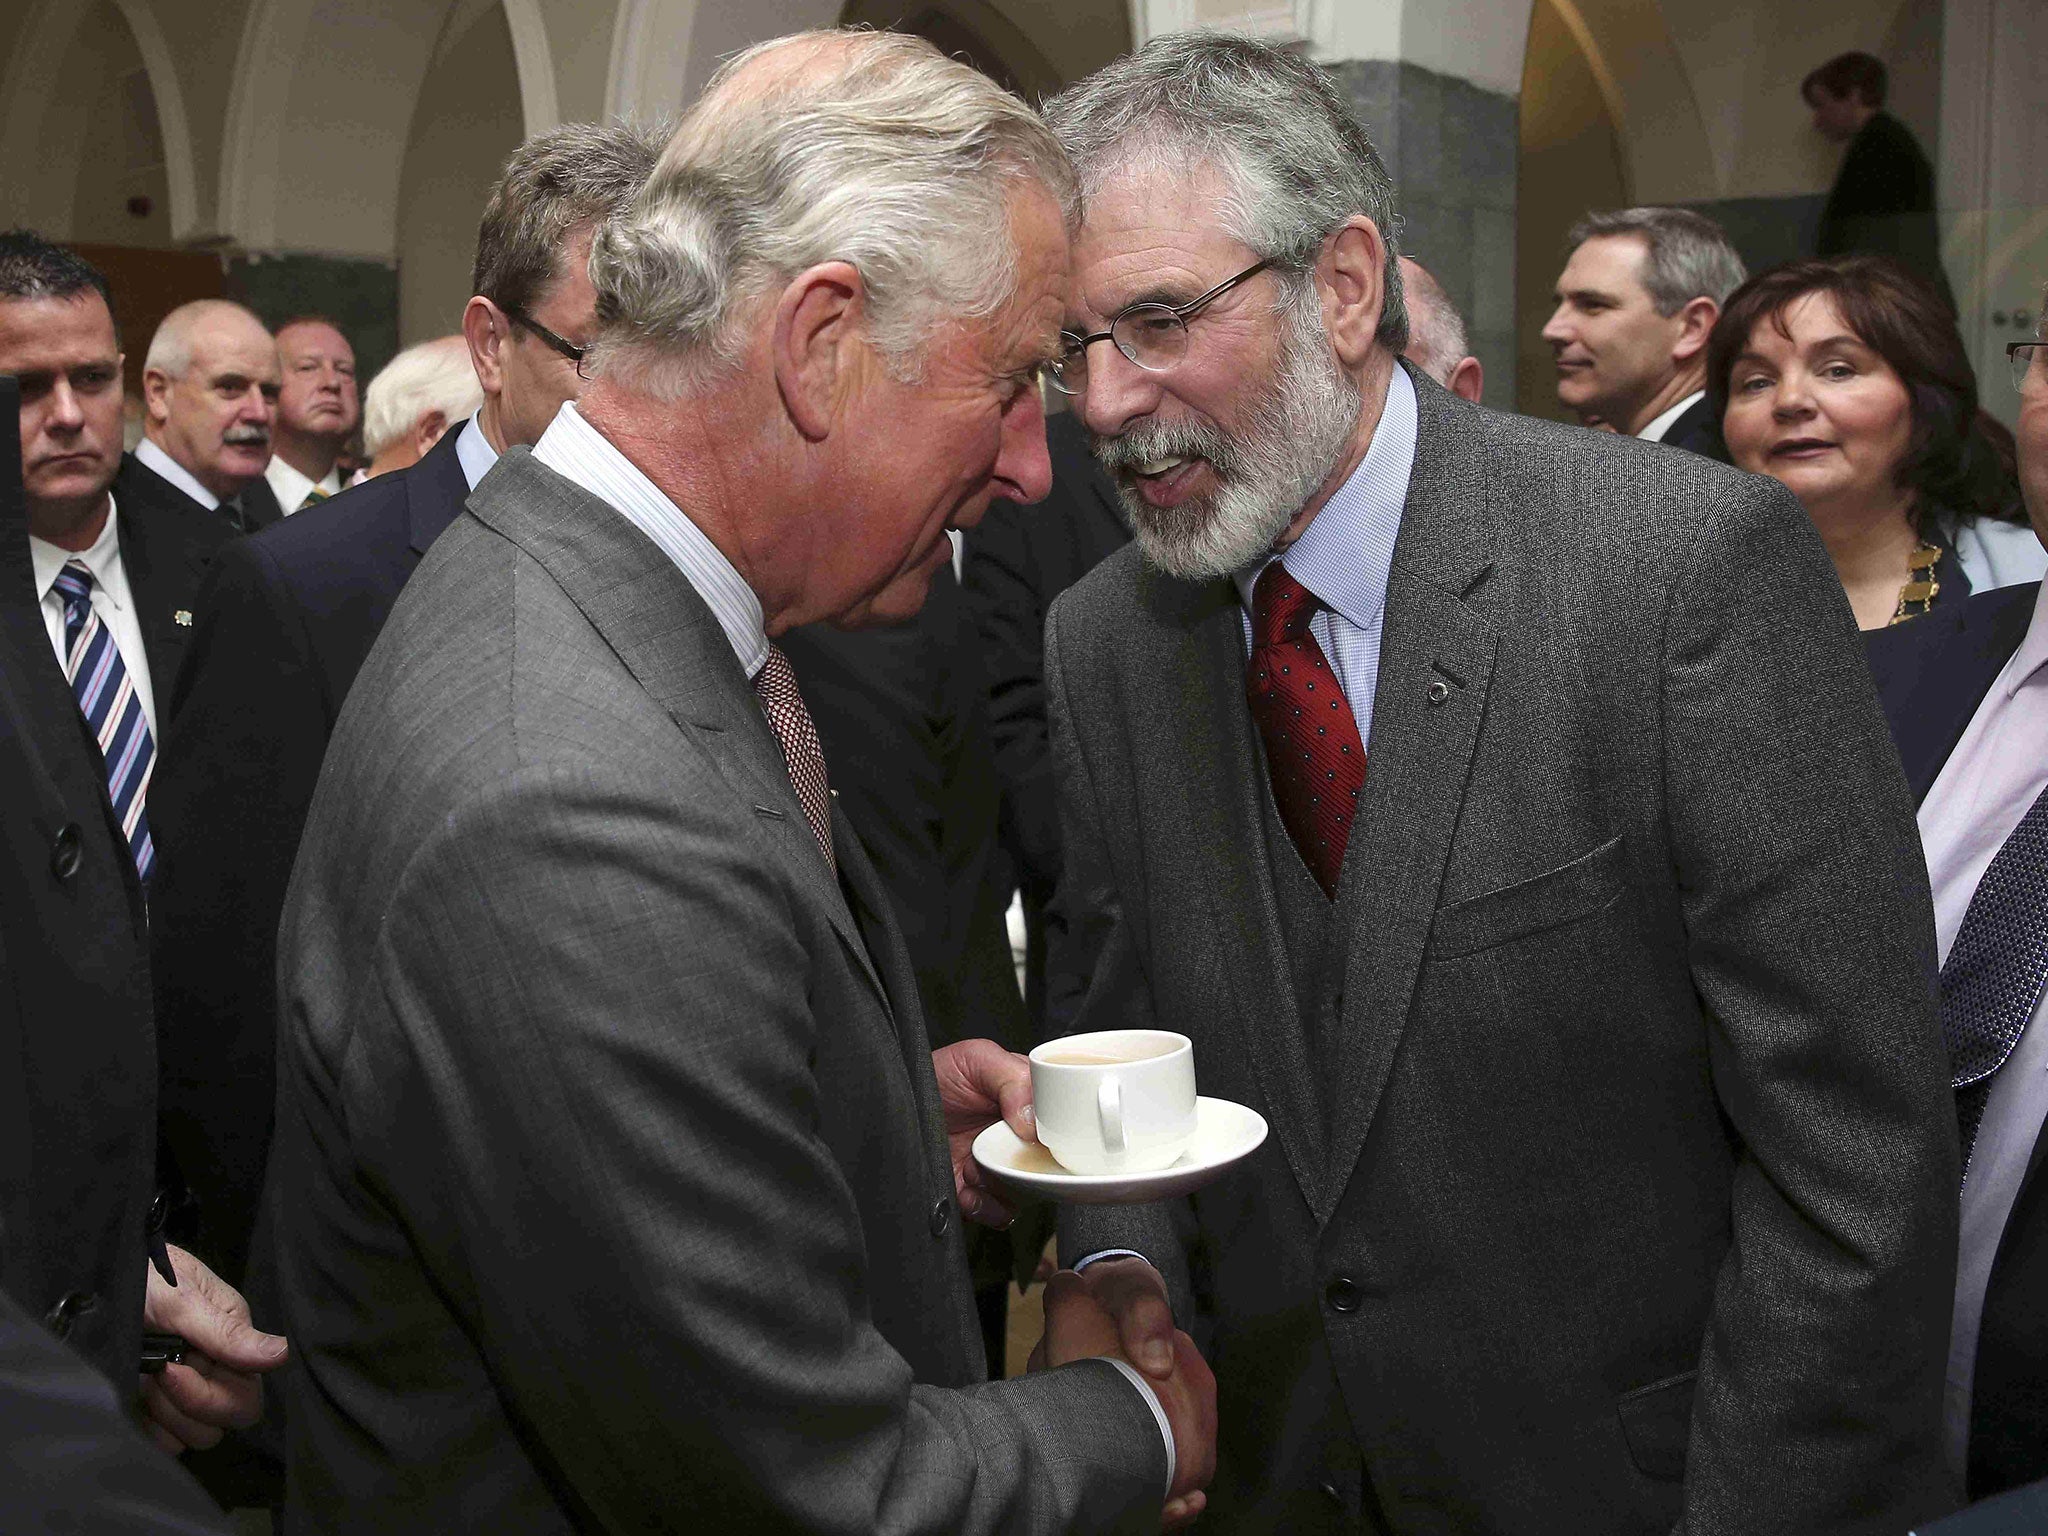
x=1846, y=380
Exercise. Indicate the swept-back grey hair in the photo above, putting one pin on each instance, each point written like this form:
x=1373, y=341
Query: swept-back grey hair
x=1687, y=255
x=552, y=185
x=170, y=349
x=1436, y=331
x=869, y=148
x=432, y=376
x=1294, y=160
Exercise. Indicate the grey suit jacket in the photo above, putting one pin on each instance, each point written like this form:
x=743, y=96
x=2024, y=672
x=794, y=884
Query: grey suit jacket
x=610, y=1174
x=1636, y=1204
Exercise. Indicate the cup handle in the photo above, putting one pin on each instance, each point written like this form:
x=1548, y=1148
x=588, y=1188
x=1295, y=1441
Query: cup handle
x=1109, y=1108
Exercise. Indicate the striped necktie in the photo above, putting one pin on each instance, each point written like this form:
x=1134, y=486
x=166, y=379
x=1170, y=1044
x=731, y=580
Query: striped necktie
x=106, y=695
x=313, y=499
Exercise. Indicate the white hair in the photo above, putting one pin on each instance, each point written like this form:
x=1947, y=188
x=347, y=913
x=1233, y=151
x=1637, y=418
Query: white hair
x=868, y=148
x=170, y=349
x=432, y=376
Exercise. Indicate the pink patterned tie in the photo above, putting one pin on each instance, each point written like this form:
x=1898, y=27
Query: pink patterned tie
x=775, y=685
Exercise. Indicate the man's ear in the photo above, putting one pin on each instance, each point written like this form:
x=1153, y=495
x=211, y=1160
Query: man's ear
x=156, y=386
x=427, y=431
x=486, y=329
x=815, y=343
x=1697, y=324
x=1352, y=273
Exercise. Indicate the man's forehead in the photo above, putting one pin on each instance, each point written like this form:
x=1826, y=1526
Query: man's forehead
x=1610, y=264
x=313, y=338
x=79, y=323
x=1151, y=231
x=232, y=345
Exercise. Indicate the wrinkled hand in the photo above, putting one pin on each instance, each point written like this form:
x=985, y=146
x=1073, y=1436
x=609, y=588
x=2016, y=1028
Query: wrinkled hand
x=1118, y=1307
x=219, y=1385
x=979, y=1084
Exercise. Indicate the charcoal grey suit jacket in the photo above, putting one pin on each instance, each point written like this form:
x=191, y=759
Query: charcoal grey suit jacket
x=611, y=1180
x=1635, y=1204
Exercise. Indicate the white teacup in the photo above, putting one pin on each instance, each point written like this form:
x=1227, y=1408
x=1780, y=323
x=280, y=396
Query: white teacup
x=1117, y=1101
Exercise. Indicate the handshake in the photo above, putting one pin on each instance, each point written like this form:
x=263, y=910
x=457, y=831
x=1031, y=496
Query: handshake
x=1118, y=1308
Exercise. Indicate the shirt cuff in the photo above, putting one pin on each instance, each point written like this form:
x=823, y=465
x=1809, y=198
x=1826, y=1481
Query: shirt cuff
x=1158, y=1414
x=1108, y=1253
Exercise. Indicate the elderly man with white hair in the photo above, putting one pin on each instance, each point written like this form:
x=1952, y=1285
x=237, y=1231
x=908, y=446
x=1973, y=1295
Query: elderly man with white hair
x=414, y=398
x=619, y=1187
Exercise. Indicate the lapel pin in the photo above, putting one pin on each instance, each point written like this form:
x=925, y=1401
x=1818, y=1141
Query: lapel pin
x=182, y=617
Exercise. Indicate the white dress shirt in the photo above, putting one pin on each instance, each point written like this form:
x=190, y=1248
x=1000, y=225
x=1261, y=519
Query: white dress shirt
x=1995, y=773
x=1654, y=432
x=473, y=451
x=578, y=452
x=148, y=452
x=111, y=600
x=291, y=488
x=1995, y=554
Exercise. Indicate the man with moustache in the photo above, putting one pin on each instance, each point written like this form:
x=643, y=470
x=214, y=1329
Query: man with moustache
x=617, y=1181
x=1635, y=304
x=1560, y=912
x=317, y=412
x=210, y=383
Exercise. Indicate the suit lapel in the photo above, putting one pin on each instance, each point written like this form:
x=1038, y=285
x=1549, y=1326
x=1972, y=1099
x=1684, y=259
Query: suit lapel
x=163, y=571
x=1436, y=662
x=435, y=490
x=664, y=634
x=1222, y=812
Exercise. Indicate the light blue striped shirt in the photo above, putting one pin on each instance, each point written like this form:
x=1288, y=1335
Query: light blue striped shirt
x=1346, y=555
x=577, y=451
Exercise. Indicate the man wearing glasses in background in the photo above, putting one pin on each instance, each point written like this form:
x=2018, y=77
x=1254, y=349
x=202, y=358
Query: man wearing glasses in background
x=283, y=626
x=1968, y=703
x=1506, y=813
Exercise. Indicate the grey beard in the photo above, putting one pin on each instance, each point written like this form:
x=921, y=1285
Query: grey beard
x=1264, y=474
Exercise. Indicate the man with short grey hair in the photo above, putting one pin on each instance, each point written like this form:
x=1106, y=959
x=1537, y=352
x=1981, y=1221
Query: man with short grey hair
x=210, y=383
x=1555, y=901
x=1635, y=304
x=620, y=1186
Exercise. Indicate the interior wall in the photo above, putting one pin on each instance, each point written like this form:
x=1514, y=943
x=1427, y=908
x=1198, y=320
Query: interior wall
x=467, y=121
x=1571, y=163
x=120, y=148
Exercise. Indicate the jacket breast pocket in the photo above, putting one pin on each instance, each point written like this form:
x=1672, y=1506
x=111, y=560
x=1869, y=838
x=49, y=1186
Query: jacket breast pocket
x=1656, y=1420
x=1586, y=885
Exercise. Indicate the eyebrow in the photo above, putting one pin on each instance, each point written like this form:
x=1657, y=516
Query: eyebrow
x=1580, y=294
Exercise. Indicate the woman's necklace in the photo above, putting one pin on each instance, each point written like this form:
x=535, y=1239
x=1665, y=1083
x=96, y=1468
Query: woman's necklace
x=1920, y=587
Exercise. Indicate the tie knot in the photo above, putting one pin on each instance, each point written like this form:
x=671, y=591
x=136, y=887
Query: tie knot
x=74, y=581
x=1281, y=607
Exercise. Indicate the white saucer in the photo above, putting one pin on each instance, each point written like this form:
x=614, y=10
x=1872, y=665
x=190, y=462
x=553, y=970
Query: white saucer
x=1225, y=1134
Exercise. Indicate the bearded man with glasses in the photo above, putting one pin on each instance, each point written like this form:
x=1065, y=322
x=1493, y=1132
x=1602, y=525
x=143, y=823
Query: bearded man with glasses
x=1505, y=811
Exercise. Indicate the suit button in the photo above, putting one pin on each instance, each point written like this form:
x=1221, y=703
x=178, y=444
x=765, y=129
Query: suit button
x=60, y=1317
x=1330, y=1492
x=65, y=852
x=1342, y=1294
x=942, y=1218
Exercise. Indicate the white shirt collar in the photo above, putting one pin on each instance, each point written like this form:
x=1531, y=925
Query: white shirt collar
x=474, y=451
x=101, y=559
x=149, y=452
x=2032, y=654
x=1654, y=432
x=577, y=451
x=291, y=488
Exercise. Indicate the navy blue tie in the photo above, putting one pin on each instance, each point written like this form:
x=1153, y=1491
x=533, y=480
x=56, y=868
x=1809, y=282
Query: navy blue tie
x=106, y=694
x=1996, y=966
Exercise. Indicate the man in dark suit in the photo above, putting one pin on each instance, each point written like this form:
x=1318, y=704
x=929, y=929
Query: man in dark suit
x=284, y=627
x=615, y=1172
x=210, y=383
x=1636, y=301
x=1967, y=697
x=1882, y=202
x=1017, y=561
x=78, y=1207
x=1561, y=916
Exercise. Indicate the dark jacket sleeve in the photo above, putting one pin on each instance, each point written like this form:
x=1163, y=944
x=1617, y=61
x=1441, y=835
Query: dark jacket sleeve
x=1811, y=933
x=248, y=728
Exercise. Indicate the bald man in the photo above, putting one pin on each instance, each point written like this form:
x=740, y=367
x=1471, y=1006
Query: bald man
x=210, y=383
x=1436, y=334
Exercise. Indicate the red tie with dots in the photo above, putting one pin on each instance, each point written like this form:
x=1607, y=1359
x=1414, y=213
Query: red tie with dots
x=1313, y=750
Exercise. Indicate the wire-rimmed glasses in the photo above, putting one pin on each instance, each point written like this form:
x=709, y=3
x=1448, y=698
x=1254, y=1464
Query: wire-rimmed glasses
x=1154, y=336
x=2029, y=360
